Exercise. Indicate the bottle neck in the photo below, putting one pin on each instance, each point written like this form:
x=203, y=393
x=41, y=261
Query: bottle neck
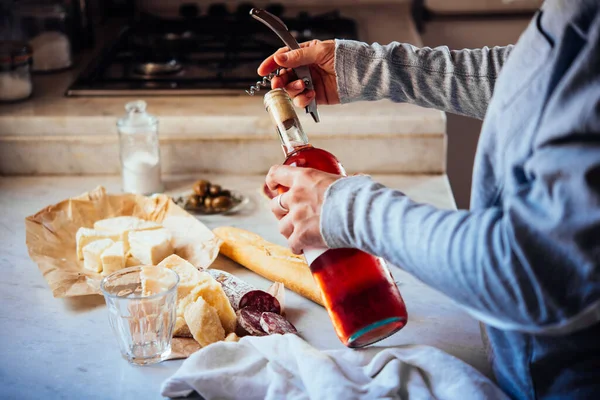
x=285, y=119
x=292, y=136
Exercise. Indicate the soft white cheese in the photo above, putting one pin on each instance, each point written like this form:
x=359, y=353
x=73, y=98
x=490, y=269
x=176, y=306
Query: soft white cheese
x=92, y=254
x=113, y=258
x=123, y=225
x=150, y=247
x=86, y=236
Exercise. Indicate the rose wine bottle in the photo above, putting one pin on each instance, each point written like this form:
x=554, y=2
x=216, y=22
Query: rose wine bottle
x=362, y=300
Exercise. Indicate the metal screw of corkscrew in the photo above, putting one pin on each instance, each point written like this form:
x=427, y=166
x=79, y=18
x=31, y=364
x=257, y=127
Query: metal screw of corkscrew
x=264, y=82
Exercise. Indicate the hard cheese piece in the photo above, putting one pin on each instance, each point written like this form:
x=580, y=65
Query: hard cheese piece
x=113, y=258
x=123, y=225
x=212, y=292
x=156, y=280
x=203, y=322
x=92, y=254
x=150, y=247
x=189, y=276
x=86, y=236
x=181, y=328
x=232, y=337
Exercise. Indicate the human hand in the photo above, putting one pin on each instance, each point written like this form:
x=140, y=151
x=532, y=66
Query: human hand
x=300, y=212
x=319, y=56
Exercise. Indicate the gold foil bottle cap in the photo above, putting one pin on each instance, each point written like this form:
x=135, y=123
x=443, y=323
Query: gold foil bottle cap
x=278, y=103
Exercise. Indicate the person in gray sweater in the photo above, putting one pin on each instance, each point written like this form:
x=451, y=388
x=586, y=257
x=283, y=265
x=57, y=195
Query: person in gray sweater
x=525, y=260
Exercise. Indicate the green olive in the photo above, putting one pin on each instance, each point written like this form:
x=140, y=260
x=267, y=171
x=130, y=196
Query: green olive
x=221, y=203
x=193, y=201
x=201, y=187
x=214, y=190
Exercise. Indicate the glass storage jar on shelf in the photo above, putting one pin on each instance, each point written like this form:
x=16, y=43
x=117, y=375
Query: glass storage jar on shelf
x=15, y=78
x=140, y=150
x=44, y=26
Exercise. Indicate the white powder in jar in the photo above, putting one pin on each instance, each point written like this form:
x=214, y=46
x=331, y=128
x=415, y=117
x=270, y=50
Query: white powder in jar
x=14, y=86
x=51, y=51
x=141, y=174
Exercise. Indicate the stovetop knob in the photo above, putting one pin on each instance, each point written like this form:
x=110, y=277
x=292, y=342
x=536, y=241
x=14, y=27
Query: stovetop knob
x=218, y=10
x=189, y=10
x=243, y=9
x=276, y=9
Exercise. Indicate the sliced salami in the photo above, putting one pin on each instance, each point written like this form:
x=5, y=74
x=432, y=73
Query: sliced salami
x=273, y=323
x=242, y=294
x=249, y=320
x=260, y=300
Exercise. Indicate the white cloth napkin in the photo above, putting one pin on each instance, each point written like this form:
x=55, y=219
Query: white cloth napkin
x=278, y=367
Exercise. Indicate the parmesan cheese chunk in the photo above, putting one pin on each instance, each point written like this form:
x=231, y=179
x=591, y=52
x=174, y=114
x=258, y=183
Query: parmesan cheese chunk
x=150, y=247
x=92, y=253
x=155, y=280
x=113, y=258
x=189, y=276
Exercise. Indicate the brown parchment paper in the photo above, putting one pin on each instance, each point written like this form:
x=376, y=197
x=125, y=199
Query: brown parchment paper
x=50, y=235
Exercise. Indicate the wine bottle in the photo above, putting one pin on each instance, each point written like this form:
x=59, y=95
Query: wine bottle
x=360, y=295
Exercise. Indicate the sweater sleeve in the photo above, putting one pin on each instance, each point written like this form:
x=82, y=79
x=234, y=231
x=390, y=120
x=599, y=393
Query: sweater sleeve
x=459, y=82
x=531, y=263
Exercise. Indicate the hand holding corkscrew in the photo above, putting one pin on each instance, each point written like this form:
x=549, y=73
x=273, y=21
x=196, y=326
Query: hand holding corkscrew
x=264, y=82
x=303, y=73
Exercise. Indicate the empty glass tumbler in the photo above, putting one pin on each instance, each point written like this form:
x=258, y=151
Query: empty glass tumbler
x=143, y=325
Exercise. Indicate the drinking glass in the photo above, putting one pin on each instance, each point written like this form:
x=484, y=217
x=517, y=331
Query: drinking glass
x=143, y=325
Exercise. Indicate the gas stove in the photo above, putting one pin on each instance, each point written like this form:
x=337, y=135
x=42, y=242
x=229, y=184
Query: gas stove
x=212, y=54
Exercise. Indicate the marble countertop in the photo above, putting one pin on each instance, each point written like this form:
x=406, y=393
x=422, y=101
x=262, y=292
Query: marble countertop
x=63, y=348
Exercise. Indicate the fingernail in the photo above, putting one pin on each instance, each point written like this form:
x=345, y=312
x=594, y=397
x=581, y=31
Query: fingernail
x=283, y=57
x=310, y=94
x=298, y=85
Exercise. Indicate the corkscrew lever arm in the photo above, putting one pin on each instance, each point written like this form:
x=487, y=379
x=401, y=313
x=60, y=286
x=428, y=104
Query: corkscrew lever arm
x=277, y=26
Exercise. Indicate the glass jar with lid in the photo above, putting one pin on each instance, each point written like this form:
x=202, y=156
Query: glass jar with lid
x=44, y=26
x=140, y=150
x=15, y=78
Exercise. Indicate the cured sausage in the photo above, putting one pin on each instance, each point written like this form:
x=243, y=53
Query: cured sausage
x=242, y=294
x=249, y=320
x=273, y=323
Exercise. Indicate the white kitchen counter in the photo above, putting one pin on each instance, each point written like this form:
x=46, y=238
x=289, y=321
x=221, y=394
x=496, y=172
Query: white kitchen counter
x=63, y=348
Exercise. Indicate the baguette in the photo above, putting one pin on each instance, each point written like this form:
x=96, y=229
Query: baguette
x=269, y=260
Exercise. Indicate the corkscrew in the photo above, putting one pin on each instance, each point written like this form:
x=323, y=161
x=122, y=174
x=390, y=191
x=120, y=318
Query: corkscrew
x=277, y=26
x=264, y=82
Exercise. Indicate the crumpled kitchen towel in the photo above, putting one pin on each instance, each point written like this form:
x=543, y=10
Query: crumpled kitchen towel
x=287, y=367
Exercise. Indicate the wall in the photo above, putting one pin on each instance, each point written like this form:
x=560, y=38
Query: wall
x=463, y=132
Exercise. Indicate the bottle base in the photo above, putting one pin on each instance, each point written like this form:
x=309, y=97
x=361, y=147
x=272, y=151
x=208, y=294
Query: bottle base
x=375, y=332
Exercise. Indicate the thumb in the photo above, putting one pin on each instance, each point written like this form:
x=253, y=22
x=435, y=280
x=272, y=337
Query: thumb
x=299, y=57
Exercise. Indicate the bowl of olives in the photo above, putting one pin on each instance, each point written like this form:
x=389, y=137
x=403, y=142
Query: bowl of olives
x=210, y=198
